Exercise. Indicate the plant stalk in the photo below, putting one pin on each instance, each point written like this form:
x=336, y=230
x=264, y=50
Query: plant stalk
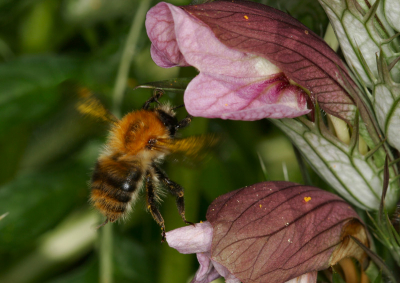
x=127, y=56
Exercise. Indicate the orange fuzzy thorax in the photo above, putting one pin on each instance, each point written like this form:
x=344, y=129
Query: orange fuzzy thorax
x=133, y=132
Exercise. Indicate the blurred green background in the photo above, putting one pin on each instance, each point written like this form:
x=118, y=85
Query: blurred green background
x=48, y=149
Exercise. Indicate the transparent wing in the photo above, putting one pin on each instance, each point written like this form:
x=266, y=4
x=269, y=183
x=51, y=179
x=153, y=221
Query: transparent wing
x=88, y=104
x=193, y=148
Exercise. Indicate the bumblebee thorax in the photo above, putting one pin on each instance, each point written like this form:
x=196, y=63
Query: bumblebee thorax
x=136, y=131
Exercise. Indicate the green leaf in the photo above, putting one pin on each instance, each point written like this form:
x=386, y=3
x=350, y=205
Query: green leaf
x=378, y=278
x=396, y=236
x=82, y=13
x=303, y=167
x=336, y=278
x=9, y=8
x=4, y=215
x=37, y=202
x=28, y=87
x=385, y=186
x=132, y=262
x=175, y=85
x=84, y=274
x=263, y=168
x=27, y=74
x=12, y=150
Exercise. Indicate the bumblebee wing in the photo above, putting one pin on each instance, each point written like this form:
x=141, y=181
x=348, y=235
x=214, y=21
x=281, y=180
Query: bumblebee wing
x=88, y=104
x=194, y=148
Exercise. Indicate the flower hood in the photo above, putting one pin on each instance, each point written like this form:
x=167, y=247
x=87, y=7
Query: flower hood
x=254, y=61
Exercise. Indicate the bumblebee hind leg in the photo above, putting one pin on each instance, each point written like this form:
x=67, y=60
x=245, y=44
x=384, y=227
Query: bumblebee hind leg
x=175, y=190
x=152, y=206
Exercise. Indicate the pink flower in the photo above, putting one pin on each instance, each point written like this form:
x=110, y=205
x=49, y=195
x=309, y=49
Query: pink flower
x=271, y=232
x=231, y=84
x=197, y=239
x=254, y=61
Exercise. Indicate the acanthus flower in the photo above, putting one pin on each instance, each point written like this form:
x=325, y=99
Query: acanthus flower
x=254, y=61
x=272, y=232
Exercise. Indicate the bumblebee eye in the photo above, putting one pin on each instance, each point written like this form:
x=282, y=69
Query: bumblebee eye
x=151, y=143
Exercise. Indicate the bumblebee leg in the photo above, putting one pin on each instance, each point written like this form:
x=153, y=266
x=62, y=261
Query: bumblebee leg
x=175, y=190
x=101, y=225
x=157, y=93
x=179, y=106
x=151, y=198
x=184, y=123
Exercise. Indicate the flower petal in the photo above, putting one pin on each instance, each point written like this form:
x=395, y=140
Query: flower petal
x=232, y=84
x=303, y=56
x=160, y=29
x=229, y=277
x=244, y=98
x=275, y=231
x=206, y=272
x=310, y=277
x=191, y=239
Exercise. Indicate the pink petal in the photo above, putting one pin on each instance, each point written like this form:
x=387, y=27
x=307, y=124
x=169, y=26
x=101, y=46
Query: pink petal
x=160, y=29
x=191, y=239
x=229, y=277
x=206, y=272
x=303, y=56
x=214, y=97
x=275, y=231
x=231, y=84
x=310, y=277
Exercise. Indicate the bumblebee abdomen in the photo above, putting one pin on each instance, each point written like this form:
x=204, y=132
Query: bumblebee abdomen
x=113, y=186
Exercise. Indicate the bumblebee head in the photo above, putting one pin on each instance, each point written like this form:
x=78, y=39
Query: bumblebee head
x=167, y=117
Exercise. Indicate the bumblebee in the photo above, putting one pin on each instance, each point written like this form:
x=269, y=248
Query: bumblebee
x=136, y=146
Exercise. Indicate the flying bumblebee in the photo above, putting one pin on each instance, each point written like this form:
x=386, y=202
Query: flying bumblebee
x=136, y=146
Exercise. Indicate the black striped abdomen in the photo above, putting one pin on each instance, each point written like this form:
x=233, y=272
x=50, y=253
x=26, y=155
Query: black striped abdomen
x=113, y=184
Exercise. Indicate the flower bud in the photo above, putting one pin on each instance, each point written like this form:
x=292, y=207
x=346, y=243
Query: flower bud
x=386, y=104
x=362, y=31
x=354, y=176
x=392, y=12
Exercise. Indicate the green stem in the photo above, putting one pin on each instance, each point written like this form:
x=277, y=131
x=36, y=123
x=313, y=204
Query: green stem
x=127, y=56
x=106, y=242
